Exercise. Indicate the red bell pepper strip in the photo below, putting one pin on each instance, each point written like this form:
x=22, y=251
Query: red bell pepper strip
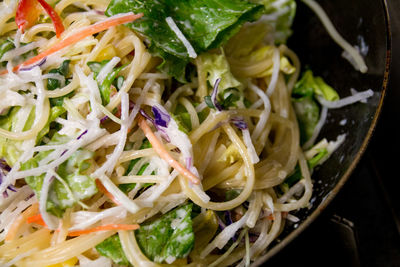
x=58, y=25
x=28, y=12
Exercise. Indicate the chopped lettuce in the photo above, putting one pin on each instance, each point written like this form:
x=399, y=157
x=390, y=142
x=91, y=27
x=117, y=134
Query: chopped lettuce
x=72, y=171
x=169, y=237
x=112, y=81
x=296, y=175
x=5, y=45
x=305, y=104
x=217, y=67
x=55, y=112
x=280, y=15
x=11, y=150
x=112, y=248
x=128, y=187
x=205, y=24
x=53, y=84
x=229, y=97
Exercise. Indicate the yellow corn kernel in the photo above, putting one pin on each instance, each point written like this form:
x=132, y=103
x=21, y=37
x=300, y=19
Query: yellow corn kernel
x=106, y=53
x=68, y=263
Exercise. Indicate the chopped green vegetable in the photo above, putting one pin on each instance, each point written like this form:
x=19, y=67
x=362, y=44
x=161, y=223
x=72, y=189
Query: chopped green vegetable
x=296, y=176
x=169, y=237
x=205, y=24
x=209, y=102
x=229, y=97
x=111, y=82
x=112, y=248
x=232, y=194
x=55, y=112
x=182, y=118
x=217, y=67
x=5, y=45
x=128, y=187
x=53, y=84
x=305, y=104
x=72, y=171
x=283, y=13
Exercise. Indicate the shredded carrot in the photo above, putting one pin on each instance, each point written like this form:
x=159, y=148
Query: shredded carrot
x=21, y=219
x=36, y=219
x=39, y=220
x=104, y=190
x=163, y=153
x=79, y=35
x=106, y=227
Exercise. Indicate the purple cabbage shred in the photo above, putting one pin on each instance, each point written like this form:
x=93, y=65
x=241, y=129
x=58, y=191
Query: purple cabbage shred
x=161, y=117
x=39, y=64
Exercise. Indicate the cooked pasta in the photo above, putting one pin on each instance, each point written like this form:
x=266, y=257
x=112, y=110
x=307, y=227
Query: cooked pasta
x=100, y=134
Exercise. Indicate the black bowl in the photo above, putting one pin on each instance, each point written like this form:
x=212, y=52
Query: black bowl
x=364, y=23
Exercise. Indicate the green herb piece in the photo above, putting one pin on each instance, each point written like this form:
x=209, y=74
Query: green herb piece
x=169, y=237
x=72, y=171
x=111, y=82
x=305, y=104
x=5, y=46
x=284, y=12
x=296, y=176
x=205, y=24
x=55, y=112
x=128, y=187
x=112, y=248
x=217, y=67
x=53, y=84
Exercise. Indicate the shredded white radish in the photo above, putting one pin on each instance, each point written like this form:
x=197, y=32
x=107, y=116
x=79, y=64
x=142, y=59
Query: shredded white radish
x=276, y=59
x=357, y=97
x=317, y=129
x=250, y=146
x=107, y=69
x=353, y=52
x=50, y=220
x=181, y=36
x=265, y=113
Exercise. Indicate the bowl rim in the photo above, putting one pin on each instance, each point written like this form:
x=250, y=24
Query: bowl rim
x=345, y=177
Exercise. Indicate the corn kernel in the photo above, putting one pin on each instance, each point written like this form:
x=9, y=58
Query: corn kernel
x=68, y=263
x=106, y=53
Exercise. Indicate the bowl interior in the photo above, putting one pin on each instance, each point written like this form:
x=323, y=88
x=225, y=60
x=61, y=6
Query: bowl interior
x=363, y=24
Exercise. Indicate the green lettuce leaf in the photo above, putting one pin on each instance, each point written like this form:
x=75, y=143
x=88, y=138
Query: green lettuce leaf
x=5, y=45
x=169, y=237
x=205, y=24
x=128, y=187
x=216, y=66
x=110, y=83
x=304, y=102
x=112, y=248
x=280, y=16
x=72, y=171
x=53, y=84
x=11, y=150
x=296, y=175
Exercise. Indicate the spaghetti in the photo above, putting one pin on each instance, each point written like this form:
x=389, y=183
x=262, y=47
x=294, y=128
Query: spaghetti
x=101, y=142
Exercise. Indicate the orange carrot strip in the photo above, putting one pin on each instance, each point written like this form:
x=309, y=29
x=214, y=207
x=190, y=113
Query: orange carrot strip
x=163, y=153
x=21, y=219
x=36, y=219
x=79, y=35
x=106, y=227
x=102, y=189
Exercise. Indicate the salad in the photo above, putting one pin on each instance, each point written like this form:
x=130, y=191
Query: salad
x=156, y=132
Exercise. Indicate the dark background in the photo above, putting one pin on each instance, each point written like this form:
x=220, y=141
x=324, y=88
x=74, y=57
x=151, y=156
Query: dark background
x=361, y=227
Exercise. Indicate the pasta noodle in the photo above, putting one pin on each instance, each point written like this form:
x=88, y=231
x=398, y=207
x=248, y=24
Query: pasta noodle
x=95, y=137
